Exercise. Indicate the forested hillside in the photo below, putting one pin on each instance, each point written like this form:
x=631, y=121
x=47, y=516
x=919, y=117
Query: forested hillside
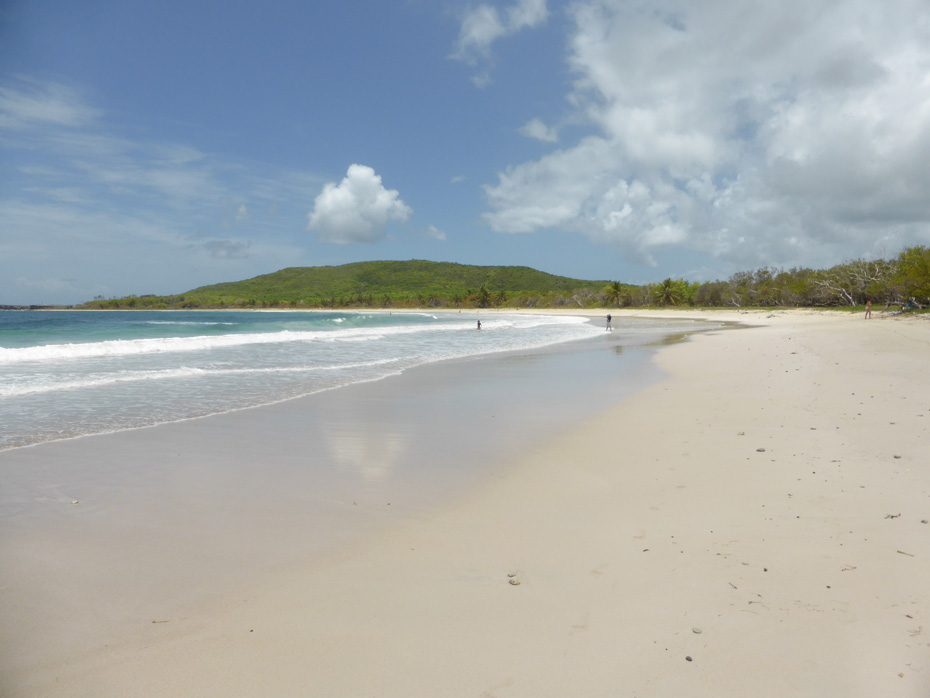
x=379, y=284
x=902, y=280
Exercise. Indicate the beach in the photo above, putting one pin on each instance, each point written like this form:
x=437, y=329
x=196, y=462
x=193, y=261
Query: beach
x=744, y=514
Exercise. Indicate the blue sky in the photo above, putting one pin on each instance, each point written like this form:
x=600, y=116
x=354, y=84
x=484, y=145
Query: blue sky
x=153, y=147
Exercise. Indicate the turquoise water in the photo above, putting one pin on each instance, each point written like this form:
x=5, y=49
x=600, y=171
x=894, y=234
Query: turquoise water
x=67, y=374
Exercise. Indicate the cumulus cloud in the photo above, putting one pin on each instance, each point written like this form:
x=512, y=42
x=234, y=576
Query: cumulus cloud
x=538, y=130
x=485, y=24
x=789, y=133
x=357, y=209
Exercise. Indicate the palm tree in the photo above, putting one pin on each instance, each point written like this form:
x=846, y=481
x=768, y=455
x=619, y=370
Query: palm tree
x=668, y=293
x=484, y=296
x=614, y=291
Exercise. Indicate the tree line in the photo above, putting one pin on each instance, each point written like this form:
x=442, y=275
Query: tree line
x=882, y=281
x=889, y=282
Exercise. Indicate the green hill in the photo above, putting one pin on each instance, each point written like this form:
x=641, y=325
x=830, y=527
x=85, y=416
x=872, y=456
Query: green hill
x=902, y=282
x=401, y=279
x=385, y=283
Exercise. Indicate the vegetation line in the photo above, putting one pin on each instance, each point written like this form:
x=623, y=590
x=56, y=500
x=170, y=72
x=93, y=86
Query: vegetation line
x=901, y=282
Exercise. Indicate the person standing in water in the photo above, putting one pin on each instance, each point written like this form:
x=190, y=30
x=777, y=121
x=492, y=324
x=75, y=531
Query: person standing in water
x=609, y=328
x=479, y=324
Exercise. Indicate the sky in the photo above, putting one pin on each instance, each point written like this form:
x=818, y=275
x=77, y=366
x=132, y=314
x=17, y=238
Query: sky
x=154, y=147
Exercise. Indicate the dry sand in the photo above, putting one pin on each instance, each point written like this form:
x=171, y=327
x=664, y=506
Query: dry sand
x=754, y=525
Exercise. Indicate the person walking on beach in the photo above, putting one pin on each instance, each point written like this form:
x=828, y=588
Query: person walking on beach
x=609, y=328
x=868, y=309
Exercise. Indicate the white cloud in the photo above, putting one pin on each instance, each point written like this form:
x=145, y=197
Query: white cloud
x=357, y=209
x=34, y=104
x=433, y=232
x=79, y=199
x=791, y=132
x=242, y=213
x=160, y=174
x=483, y=25
x=538, y=130
x=526, y=13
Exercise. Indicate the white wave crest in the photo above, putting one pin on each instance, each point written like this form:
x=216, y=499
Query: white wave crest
x=130, y=347
x=183, y=372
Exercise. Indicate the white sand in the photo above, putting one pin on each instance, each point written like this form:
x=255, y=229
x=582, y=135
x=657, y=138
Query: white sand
x=747, y=497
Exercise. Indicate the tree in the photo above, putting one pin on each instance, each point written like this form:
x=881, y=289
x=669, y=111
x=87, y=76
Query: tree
x=483, y=296
x=582, y=297
x=846, y=284
x=689, y=291
x=670, y=292
x=912, y=276
x=614, y=292
x=710, y=293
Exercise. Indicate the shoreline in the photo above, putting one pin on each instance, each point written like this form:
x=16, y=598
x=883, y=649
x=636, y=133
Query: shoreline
x=745, y=496
x=274, y=485
x=267, y=401
x=207, y=401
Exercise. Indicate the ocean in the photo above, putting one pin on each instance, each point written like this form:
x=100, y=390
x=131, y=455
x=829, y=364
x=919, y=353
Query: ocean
x=65, y=374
